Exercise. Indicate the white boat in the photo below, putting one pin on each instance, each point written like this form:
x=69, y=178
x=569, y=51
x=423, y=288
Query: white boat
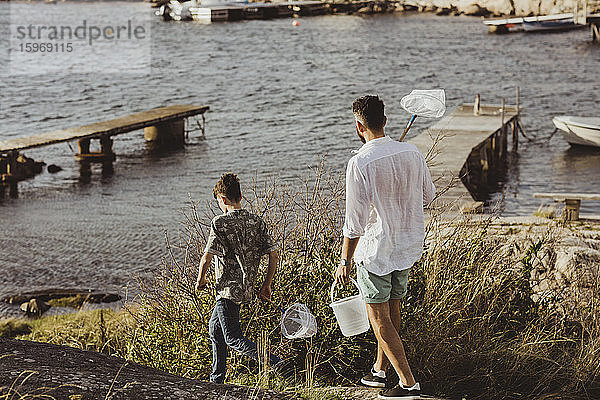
x=559, y=24
x=583, y=131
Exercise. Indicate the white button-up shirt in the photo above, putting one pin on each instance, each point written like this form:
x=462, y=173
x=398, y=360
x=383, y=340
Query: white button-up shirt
x=387, y=183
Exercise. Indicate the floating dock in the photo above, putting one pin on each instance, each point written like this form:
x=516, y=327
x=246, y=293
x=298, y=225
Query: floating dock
x=163, y=127
x=467, y=152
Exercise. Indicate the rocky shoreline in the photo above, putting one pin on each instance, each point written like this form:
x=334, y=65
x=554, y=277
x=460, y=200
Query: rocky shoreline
x=561, y=261
x=484, y=8
x=36, y=303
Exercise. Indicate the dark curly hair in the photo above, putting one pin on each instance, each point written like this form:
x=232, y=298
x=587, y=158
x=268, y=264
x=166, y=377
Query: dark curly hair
x=369, y=110
x=228, y=186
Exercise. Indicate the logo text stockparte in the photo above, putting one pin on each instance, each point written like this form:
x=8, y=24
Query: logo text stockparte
x=92, y=32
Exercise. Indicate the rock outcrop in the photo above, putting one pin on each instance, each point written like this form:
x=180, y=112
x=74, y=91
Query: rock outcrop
x=37, y=303
x=566, y=275
x=34, y=307
x=564, y=260
x=32, y=370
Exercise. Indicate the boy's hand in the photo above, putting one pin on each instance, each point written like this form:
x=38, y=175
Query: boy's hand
x=265, y=292
x=201, y=284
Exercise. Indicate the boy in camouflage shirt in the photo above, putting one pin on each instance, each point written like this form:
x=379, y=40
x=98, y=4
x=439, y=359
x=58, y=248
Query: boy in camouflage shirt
x=238, y=239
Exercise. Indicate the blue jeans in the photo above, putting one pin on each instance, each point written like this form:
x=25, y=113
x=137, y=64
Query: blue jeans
x=225, y=330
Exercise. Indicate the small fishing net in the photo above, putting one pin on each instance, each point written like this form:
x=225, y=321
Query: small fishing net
x=425, y=103
x=298, y=322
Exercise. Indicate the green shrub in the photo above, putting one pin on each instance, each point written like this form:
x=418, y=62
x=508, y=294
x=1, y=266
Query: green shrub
x=470, y=326
x=11, y=328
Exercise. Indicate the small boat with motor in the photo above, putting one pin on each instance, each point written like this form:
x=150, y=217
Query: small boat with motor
x=584, y=131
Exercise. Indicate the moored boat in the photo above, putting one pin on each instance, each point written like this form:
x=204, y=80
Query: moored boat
x=583, y=131
x=561, y=24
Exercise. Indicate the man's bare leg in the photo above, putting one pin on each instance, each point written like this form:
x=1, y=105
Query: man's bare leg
x=382, y=363
x=391, y=344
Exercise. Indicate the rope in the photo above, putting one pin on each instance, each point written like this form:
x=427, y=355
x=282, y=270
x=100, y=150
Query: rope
x=534, y=138
x=520, y=127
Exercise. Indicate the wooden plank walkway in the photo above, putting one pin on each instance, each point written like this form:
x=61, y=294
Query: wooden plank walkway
x=113, y=127
x=459, y=137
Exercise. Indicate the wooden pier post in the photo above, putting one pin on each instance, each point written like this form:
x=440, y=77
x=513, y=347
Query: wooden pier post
x=168, y=134
x=84, y=145
x=106, y=145
x=571, y=211
x=3, y=167
x=518, y=102
x=595, y=28
x=11, y=176
x=502, y=107
x=515, y=133
x=477, y=105
x=3, y=171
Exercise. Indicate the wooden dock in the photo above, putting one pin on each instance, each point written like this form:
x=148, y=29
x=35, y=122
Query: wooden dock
x=469, y=152
x=163, y=127
x=113, y=127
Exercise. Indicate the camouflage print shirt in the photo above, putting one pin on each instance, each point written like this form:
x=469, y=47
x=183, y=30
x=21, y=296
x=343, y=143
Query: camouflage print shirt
x=238, y=239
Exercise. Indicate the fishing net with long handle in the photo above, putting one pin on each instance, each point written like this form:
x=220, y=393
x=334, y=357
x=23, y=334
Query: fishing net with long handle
x=423, y=103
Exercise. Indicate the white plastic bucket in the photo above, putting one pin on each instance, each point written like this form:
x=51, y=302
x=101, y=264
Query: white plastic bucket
x=351, y=312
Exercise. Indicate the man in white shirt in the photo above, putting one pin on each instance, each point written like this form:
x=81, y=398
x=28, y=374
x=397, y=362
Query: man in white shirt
x=387, y=183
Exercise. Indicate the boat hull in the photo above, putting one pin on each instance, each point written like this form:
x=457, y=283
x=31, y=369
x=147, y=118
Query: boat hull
x=550, y=26
x=584, y=131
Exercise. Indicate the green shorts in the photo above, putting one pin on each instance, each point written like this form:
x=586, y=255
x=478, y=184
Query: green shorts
x=379, y=289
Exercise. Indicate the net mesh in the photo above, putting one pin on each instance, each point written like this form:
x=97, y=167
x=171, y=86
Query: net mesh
x=425, y=103
x=298, y=322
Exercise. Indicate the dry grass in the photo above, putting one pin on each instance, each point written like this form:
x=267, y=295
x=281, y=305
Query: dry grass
x=103, y=331
x=470, y=325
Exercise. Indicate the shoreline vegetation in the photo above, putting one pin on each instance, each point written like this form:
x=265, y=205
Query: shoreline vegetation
x=495, y=309
x=484, y=8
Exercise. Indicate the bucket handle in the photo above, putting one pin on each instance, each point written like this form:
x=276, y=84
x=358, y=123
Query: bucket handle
x=351, y=280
